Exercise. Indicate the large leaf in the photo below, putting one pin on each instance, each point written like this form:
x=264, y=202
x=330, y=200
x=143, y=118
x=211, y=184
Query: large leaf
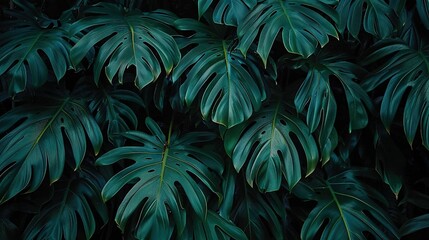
x=75, y=198
x=404, y=67
x=128, y=38
x=265, y=145
x=345, y=207
x=317, y=95
x=229, y=12
x=165, y=170
x=214, y=227
x=34, y=142
x=231, y=85
x=108, y=106
x=29, y=51
x=377, y=16
x=303, y=25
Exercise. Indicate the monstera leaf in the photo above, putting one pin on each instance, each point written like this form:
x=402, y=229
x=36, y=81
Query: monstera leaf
x=303, y=25
x=231, y=85
x=229, y=12
x=317, y=95
x=266, y=146
x=167, y=173
x=404, y=67
x=29, y=51
x=377, y=16
x=128, y=38
x=34, y=142
x=75, y=198
x=214, y=227
x=344, y=209
x=109, y=107
x=263, y=223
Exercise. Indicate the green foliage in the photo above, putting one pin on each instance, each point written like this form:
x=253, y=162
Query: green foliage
x=162, y=163
x=130, y=38
x=227, y=119
x=38, y=144
x=267, y=145
x=347, y=205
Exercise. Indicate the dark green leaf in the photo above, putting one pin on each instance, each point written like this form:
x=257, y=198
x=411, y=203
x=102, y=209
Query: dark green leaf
x=26, y=50
x=303, y=24
x=377, y=16
x=108, y=107
x=229, y=12
x=214, y=227
x=422, y=7
x=404, y=67
x=37, y=145
x=231, y=85
x=414, y=225
x=259, y=215
x=129, y=38
x=316, y=93
x=345, y=207
x=265, y=146
x=162, y=164
x=76, y=198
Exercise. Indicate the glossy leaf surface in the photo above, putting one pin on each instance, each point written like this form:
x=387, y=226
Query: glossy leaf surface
x=265, y=148
x=36, y=144
x=231, y=85
x=345, y=207
x=127, y=38
x=302, y=25
x=160, y=165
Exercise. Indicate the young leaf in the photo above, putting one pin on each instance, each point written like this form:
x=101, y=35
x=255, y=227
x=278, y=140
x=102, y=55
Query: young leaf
x=264, y=145
x=231, y=85
x=36, y=144
x=303, y=25
x=129, y=38
x=167, y=172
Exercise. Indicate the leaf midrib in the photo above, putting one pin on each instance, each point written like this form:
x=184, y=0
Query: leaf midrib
x=338, y=204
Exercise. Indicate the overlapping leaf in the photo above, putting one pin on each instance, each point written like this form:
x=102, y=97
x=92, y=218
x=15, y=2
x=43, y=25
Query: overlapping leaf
x=167, y=173
x=34, y=142
x=214, y=227
x=109, y=107
x=302, y=24
x=127, y=38
x=377, y=17
x=229, y=12
x=265, y=146
x=231, y=85
x=404, y=67
x=263, y=223
x=30, y=50
x=344, y=209
x=74, y=198
x=317, y=96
